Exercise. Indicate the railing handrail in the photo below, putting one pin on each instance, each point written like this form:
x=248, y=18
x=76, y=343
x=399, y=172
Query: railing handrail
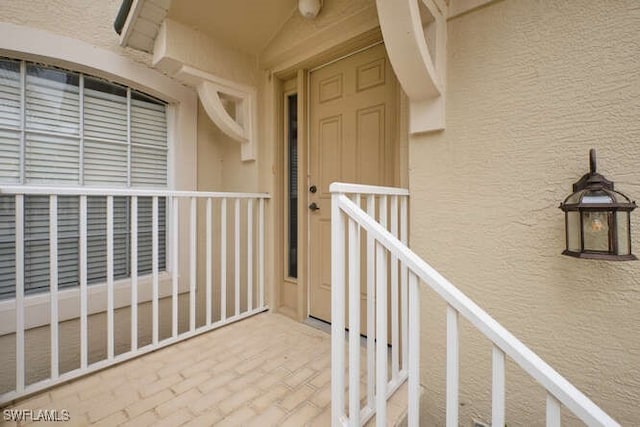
x=347, y=188
x=235, y=225
x=105, y=191
x=538, y=369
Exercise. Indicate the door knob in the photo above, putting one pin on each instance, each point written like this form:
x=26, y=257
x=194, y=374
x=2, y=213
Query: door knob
x=314, y=206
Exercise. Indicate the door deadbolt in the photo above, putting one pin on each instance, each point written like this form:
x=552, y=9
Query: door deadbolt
x=313, y=189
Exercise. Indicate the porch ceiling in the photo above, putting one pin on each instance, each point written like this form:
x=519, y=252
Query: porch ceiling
x=247, y=25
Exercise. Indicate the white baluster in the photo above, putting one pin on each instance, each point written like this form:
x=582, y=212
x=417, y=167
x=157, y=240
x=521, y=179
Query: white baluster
x=414, y=351
x=193, y=258
x=337, y=312
x=110, y=305
x=452, y=367
x=354, y=324
x=497, y=388
x=154, y=269
x=134, y=273
x=208, y=257
x=20, y=374
x=53, y=277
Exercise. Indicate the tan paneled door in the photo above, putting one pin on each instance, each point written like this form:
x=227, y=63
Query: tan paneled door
x=353, y=138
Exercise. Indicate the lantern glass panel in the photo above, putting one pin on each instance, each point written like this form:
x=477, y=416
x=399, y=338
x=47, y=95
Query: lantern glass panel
x=622, y=222
x=597, y=197
x=573, y=231
x=595, y=228
x=574, y=198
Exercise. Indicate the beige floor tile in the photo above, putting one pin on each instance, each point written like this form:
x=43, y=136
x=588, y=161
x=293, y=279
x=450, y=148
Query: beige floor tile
x=175, y=419
x=273, y=416
x=159, y=385
x=143, y=420
x=177, y=403
x=138, y=407
x=260, y=370
x=296, y=397
x=237, y=399
x=299, y=376
x=270, y=397
x=322, y=397
x=301, y=416
x=208, y=419
x=112, y=420
x=239, y=417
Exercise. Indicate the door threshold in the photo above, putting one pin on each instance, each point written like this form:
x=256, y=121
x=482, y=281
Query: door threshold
x=316, y=323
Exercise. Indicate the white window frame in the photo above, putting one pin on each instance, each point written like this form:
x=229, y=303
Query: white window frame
x=31, y=44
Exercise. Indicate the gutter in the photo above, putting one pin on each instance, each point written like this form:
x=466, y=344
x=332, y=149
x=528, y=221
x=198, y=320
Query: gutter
x=123, y=14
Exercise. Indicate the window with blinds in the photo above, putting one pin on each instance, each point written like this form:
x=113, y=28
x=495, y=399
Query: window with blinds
x=62, y=128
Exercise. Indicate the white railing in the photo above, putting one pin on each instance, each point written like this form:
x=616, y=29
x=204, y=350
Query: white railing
x=187, y=299
x=388, y=208
x=347, y=215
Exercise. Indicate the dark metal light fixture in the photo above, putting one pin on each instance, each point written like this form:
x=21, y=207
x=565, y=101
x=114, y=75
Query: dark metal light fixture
x=597, y=218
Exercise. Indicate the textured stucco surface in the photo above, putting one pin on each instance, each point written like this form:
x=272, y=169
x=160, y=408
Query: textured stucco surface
x=532, y=85
x=80, y=19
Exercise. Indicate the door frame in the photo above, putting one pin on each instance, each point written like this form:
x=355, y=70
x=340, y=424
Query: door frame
x=286, y=291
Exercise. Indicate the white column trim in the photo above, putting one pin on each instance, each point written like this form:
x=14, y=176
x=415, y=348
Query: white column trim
x=421, y=75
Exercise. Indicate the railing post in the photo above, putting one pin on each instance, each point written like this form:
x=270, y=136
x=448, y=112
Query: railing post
x=154, y=270
x=134, y=273
x=20, y=364
x=413, y=348
x=261, y=255
x=84, y=331
x=381, y=335
x=395, y=335
x=110, y=303
x=236, y=257
x=53, y=276
x=208, y=256
x=452, y=367
x=497, y=388
x=553, y=411
x=249, y=254
x=193, y=257
x=354, y=324
x=337, y=311
x=404, y=291
x=371, y=314
x=223, y=260
x=175, y=261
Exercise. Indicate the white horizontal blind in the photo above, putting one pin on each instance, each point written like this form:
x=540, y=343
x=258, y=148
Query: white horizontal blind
x=105, y=134
x=52, y=125
x=148, y=142
x=60, y=127
x=10, y=121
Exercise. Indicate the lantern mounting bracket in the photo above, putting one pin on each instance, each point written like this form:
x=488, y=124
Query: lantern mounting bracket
x=592, y=180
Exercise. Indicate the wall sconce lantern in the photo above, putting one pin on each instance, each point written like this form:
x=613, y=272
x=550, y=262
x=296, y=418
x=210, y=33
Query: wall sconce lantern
x=597, y=219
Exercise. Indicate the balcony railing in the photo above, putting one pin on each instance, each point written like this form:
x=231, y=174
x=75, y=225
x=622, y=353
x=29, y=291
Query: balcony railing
x=214, y=275
x=393, y=261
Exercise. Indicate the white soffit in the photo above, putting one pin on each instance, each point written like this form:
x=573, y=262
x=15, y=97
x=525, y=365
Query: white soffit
x=244, y=25
x=143, y=23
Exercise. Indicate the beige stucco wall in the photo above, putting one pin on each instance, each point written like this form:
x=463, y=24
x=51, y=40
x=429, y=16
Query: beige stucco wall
x=531, y=87
x=92, y=23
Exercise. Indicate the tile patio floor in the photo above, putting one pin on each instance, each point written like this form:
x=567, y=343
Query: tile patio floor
x=265, y=370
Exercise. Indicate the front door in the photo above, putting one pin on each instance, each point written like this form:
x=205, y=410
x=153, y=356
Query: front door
x=353, y=138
